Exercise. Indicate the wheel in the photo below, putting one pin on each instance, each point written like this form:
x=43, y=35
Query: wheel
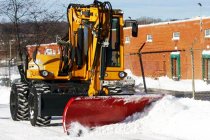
x=34, y=117
x=19, y=102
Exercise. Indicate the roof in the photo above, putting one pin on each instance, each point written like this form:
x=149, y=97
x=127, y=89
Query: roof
x=36, y=45
x=171, y=22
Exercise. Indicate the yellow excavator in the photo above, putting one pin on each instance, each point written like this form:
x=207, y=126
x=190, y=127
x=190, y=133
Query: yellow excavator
x=67, y=78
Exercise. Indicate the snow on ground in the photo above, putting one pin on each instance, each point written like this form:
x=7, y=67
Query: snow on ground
x=169, y=118
x=11, y=130
x=168, y=84
x=4, y=95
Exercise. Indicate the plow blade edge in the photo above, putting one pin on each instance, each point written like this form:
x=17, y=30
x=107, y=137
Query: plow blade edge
x=98, y=111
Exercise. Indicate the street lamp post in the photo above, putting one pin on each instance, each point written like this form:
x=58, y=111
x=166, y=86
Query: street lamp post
x=10, y=58
x=57, y=38
x=200, y=5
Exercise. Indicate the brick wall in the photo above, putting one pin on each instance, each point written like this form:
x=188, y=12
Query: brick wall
x=159, y=64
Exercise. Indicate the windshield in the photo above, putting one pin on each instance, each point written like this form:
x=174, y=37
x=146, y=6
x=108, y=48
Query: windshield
x=50, y=49
x=113, y=58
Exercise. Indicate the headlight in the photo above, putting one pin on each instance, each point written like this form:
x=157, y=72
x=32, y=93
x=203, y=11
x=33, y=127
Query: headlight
x=44, y=73
x=122, y=74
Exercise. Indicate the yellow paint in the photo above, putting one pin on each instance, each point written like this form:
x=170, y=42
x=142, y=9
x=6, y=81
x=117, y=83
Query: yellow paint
x=105, y=90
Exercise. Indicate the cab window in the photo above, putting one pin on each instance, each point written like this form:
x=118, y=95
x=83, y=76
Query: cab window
x=113, y=55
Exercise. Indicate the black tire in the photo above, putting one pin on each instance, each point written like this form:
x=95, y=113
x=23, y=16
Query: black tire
x=34, y=117
x=19, y=102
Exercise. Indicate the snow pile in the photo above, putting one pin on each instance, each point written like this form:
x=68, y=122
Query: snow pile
x=169, y=84
x=78, y=130
x=4, y=95
x=180, y=118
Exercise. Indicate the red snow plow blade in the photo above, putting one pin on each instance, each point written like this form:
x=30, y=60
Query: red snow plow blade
x=98, y=111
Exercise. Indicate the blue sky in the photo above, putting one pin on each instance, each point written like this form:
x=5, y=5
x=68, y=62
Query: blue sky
x=165, y=9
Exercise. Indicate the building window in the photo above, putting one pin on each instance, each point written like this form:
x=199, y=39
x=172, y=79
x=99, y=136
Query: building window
x=207, y=33
x=206, y=65
x=149, y=38
x=175, y=66
x=127, y=40
x=176, y=35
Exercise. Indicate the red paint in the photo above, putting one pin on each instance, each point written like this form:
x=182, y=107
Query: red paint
x=98, y=111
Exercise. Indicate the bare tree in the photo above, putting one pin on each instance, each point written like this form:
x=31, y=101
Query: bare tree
x=45, y=24
x=43, y=20
x=148, y=20
x=16, y=10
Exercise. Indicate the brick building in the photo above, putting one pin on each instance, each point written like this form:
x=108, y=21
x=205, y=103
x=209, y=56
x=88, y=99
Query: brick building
x=169, y=47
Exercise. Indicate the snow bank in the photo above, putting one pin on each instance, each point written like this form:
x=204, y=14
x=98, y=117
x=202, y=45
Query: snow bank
x=179, y=118
x=169, y=84
x=4, y=95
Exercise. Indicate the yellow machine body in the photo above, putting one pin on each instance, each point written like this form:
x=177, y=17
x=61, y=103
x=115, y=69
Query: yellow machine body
x=49, y=57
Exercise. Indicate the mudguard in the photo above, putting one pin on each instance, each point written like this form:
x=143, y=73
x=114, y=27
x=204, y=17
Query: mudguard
x=104, y=110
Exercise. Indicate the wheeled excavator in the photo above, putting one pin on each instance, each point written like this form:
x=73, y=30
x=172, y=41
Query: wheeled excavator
x=66, y=78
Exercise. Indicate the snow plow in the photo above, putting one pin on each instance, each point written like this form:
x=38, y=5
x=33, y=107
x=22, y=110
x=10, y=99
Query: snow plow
x=100, y=111
x=67, y=78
